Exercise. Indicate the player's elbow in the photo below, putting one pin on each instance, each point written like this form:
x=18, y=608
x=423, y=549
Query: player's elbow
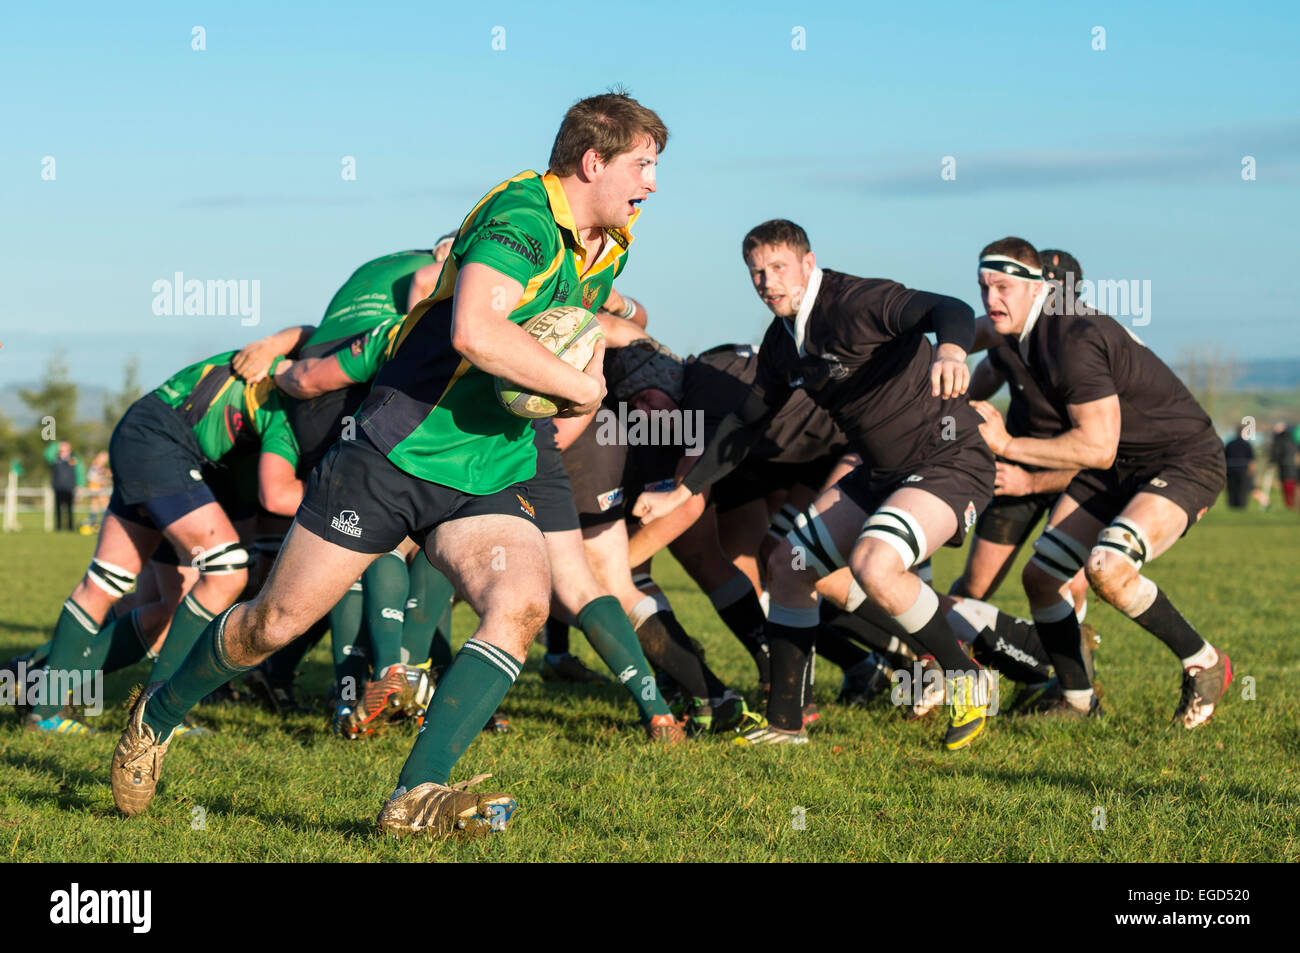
x=280, y=500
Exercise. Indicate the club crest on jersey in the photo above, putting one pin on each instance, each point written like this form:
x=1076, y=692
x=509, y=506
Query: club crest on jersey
x=348, y=523
x=606, y=500
x=970, y=515
x=589, y=292
x=526, y=507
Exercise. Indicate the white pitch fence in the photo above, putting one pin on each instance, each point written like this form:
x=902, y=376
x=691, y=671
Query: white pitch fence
x=34, y=499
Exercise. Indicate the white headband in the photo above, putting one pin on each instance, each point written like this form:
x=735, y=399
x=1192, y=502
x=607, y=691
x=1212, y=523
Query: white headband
x=1009, y=266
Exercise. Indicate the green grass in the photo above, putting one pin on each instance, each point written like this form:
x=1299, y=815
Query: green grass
x=871, y=786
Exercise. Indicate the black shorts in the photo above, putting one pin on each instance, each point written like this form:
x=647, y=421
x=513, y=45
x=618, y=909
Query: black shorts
x=552, y=497
x=596, y=478
x=755, y=480
x=1193, y=481
x=1009, y=520
x=359, y=500
x=157, y=466
x=961, y=474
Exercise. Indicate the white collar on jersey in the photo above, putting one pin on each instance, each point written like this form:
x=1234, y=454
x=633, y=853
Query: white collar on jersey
x=1034, y=311
x=800, y=330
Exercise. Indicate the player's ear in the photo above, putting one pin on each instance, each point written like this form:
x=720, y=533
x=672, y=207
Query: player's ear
x=809, y=262
x=592, y=164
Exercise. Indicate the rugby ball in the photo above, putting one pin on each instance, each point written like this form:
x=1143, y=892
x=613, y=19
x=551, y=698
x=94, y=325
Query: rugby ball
x=568, y=332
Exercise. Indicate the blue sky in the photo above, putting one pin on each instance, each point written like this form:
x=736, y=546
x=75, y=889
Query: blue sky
x=226, y=163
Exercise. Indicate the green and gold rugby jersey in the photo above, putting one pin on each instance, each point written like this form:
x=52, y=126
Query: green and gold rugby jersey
x=373, y=294
x=433, y=413
x=227, y=415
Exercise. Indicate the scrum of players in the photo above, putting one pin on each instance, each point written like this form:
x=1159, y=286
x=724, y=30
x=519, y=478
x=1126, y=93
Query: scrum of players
x=832, y=461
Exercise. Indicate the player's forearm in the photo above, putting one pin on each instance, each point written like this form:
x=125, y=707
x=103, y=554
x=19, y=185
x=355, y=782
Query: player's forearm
x=288, y=341
x=648, y=540
x=311, y=378
x=1051, y=481
x=1072, y=450
x=503, y=349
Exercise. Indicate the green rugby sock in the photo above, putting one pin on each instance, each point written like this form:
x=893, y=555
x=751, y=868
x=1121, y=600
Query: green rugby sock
x=385, y=585
x=440, y=650
x=429, y=597
x=350, y=661
x=202, y=672
x=611, y=634
x=69, y=651
x=187, y=625
x=467, y=695
x=119, y=644
x=37, y=657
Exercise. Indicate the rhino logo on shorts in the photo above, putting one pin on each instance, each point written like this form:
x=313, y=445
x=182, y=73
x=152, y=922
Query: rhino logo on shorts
x=348, y=523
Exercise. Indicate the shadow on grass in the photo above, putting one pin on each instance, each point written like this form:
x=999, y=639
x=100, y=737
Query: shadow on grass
x=1138, y=789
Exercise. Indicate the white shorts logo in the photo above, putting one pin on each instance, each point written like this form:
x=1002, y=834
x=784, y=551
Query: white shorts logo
x=347, y=523
x=914, y=478
x=970, y=515
x=1159, y=482
x=606, y=500
x=661, y=486
x=397, y=615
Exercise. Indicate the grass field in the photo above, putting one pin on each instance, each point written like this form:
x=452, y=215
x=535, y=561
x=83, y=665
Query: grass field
x=870, y=787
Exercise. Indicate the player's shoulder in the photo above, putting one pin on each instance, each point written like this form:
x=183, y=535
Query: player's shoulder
x=860, y=295
x=521, y=195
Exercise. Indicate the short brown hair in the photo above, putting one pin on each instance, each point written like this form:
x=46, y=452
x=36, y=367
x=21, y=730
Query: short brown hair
x=611, y=123
x=777, y=231
x=1016, y=248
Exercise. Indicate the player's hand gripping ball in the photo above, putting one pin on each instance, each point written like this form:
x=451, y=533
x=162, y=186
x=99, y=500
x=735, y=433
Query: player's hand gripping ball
x=568, y=332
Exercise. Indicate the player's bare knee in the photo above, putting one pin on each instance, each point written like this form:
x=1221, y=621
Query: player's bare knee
x=1111, y=576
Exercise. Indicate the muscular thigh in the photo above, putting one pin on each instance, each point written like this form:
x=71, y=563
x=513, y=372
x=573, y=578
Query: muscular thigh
x=1161, y=520
x=825, y=531
x=310, y=575
x=492, y=559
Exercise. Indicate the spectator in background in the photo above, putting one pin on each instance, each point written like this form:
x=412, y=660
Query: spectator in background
x=1283, y=456
x=1241, y=469
x=67, y=474
x=99, y=484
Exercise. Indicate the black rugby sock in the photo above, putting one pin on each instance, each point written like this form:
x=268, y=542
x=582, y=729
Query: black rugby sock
x=1167, y=624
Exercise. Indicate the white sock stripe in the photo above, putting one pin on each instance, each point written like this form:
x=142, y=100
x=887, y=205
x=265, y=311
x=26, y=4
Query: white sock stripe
x=83, y=620
x=921, y=611
x=794, y=618
x=1053, y=613
x=641, y=579
x=642, y=611
x=1142, y=599
x=857, y=596
x=501, y=655
x=496, y=656
x=193, y=605
x=731, y=591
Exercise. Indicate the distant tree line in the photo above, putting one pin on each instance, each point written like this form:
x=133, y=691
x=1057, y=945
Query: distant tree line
x=51, y=416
